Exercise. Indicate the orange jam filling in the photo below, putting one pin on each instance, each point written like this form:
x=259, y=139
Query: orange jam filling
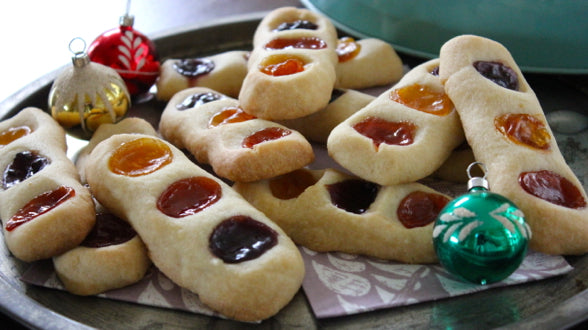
x=229, y=115
x=347, y=49
x=423, y=98
x=524, y=129
x=13, y=133
x=140, y=157
x=281, y=65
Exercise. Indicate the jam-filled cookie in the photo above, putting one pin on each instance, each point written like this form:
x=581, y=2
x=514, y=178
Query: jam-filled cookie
x=507, y=130
x=112, y=256
x=292, y=66
x=366, y=63
x=199, y=232
x=129, y=125
x=44, y=208
x=317, y=126
x=238, y=146
x=223, y=72
x=404, y=135
x=326, y=210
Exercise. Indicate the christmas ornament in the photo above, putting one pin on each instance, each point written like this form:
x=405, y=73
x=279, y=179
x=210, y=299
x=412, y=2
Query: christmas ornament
x=129, y=52
x=481, y=236
x=86, y=95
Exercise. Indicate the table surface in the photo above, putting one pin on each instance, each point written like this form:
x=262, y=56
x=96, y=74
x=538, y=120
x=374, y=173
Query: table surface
x=35, y=36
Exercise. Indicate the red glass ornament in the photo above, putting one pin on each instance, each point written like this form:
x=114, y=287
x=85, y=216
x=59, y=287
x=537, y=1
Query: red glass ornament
x=130, y=53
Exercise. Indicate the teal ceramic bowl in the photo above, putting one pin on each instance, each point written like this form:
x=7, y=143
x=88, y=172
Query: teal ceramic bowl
x=544, y=36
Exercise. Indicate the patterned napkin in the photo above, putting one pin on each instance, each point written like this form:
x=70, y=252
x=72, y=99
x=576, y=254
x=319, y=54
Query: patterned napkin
x=335, y=284
x=339, y=284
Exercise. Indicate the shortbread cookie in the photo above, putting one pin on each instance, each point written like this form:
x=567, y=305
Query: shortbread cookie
x=238, y=146
x=292, y=66
x=317, y=126
x=507, y=130
x=129, y=125
x=44, y=208
x=199, y=232
x=223, y=72
x=366, y=63
x=112, y=256
x=326, y=210
x=402, y=136
x=454, y=169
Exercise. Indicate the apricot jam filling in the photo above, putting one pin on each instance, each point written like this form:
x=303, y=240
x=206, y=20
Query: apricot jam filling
x=423, y=98
x=524, y=129
x=140, y=157
x=281, y=65
x=347, y=49
x=229, y=115
x=13, y=133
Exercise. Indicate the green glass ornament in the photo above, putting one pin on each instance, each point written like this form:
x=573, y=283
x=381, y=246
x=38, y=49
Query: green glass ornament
x=481, y=236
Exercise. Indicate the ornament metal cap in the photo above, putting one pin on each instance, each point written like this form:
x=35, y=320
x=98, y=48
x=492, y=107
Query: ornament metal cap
x=476, y=181
x=80, y=58
x=126, y=20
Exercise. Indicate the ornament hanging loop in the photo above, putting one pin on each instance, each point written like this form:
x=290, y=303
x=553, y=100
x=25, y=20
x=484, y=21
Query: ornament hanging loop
x=80, y=58
x=127, y=19
x=476, y=181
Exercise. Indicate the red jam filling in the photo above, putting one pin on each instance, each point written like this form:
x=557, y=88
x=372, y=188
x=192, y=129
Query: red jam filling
x=241, y=238
x=140, y=157
x=39, y=205
x=420, y=208
x=300, y=43
x=291, y=185
x=24, y=165
x=347, y=49
x=423, y=98
x=498, y=73
x=189, y=196
x=281, y=65
x=229, y=115
x=354, y=195
x=195, y=100
x=13, y=133
x=264, y=135
x=388, y=132
x=553, y=188
x=108, y=230
x=524, y=129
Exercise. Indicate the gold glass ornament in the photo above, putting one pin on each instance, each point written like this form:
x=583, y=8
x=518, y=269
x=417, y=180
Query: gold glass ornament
x=86, y=95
